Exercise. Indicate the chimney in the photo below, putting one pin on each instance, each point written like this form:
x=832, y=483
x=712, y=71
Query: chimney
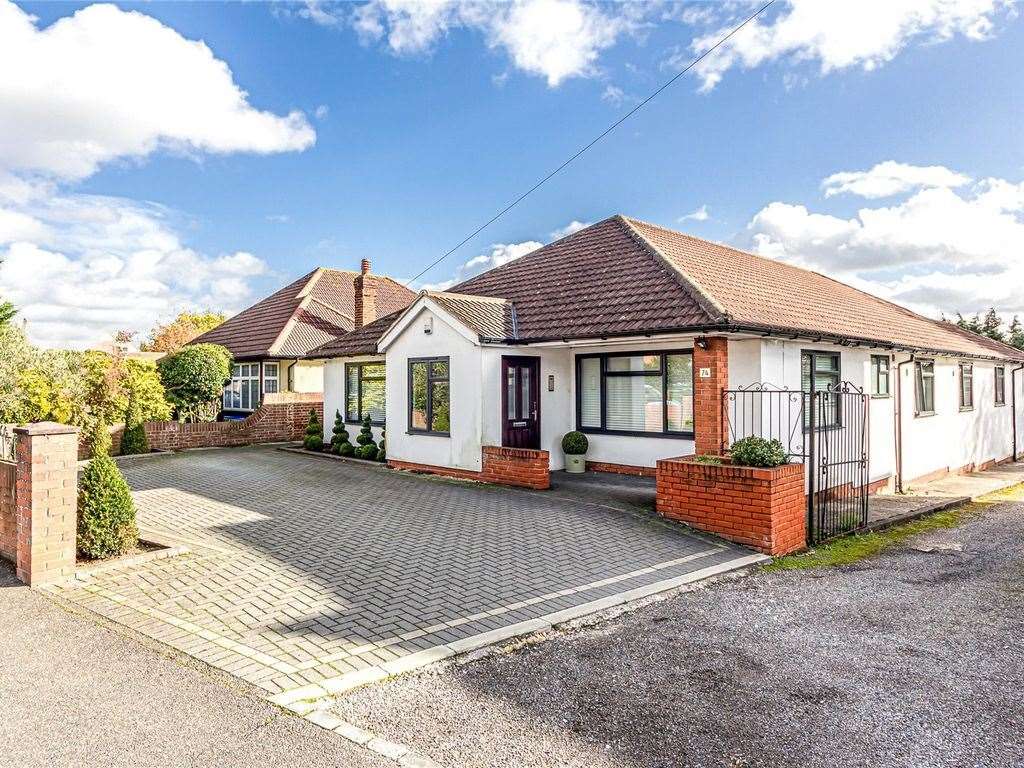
x=365, y=296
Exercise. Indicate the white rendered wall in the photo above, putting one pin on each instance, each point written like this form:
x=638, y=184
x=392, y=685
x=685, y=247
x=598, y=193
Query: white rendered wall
x=461, y=449
x=306, y=376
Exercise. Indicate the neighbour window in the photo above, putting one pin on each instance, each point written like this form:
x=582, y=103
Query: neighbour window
x=819, y=372
x=243, y=393
x=880, y=375
x=1000, y=387
x=364, y=392
x=271, y=377
x=429, y=409
x=924, y=391
x=966, y=386
x=637, y=393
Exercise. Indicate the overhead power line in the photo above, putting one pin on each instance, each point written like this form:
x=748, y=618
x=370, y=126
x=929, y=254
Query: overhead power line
x=593, y=141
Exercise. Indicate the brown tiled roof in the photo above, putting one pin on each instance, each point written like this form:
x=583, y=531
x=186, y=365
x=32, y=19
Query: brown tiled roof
x=491, y=318
x=313, y=310
x=362, y=341
x=600, y=281
x=761, y=292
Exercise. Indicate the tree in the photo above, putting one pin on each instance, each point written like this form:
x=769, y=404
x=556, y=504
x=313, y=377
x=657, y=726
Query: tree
x=314, y=438
x=340, y=446
x=1016, y=338
x=367, y=448
x=7, y=313
x=991, y=325
x=134, y=440
x=172, y=336
x=194, y=378
x=106, y=512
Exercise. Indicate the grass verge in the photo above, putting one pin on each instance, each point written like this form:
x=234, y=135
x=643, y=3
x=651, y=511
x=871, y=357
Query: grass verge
x=851, y=549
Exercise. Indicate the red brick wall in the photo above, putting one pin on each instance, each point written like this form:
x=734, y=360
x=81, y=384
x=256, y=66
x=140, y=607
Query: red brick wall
x=281, y=417
x=520, y=467
x=761, y=508
x=621, y=469
x=707, y=394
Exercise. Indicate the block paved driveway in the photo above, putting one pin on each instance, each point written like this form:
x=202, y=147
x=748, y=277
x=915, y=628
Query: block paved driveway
x=303, y=571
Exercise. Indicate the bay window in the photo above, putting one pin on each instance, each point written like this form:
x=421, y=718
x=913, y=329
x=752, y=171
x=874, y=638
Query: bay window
x=635, y=393
x=243, y=392
x=364, y=392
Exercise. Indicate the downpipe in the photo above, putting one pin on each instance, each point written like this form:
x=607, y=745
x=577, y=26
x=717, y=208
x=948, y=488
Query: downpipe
x=897, y=413
x=1013, y=405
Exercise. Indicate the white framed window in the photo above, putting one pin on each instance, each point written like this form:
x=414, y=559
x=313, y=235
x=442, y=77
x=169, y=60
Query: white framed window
x=966, y=386
x=1000, y=385
x=271, y=377
x=880, y=375
x=924, y=389
x=243, y=393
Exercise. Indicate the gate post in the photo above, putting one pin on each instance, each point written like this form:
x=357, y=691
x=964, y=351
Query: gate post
x=46, y=502
x=812, y=462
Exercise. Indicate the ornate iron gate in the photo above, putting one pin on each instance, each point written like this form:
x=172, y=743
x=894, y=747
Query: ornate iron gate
x=837, y=459
x=825, y=430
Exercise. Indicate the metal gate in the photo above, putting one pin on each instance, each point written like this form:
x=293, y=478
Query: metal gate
x=826, y=430
x=837, y=461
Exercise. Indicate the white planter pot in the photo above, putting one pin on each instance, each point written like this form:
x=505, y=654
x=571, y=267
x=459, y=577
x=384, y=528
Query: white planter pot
x=575, y=464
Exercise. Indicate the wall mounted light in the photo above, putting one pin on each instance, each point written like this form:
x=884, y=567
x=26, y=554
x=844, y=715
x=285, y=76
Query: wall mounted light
x=428, y=325
x=701, y=341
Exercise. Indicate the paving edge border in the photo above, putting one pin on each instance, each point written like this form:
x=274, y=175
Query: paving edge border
x=938, y=505
x=309, y=702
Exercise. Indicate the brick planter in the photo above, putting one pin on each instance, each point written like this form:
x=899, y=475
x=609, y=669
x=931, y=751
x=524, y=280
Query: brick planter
x=520, y=467
x=761, y=508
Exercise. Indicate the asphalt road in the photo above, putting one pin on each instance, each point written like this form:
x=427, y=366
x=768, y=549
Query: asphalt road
x=915, y=658
x=75, y=693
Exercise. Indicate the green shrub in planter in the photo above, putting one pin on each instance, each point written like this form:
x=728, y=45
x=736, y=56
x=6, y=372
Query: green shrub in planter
x=758, y=452
x=575, y=444
x=707, y=459
x=314, y=439
x=106, y=512
x=339, y=436
x=382, y=454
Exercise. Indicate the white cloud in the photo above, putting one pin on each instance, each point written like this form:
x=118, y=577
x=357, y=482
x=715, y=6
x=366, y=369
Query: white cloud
x=891, y=178
x=104, y=84
x=839, y=35
x=701, y=214
x=95, y=265
x=938, y=249
x=554, y=39
x=571, y=228
x=613, y=95
x=278, y=218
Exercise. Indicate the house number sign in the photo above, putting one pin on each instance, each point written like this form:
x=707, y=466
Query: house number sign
x=704, y=373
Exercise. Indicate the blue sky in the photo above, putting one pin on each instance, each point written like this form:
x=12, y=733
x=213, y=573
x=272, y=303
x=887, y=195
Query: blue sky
x=410, y=128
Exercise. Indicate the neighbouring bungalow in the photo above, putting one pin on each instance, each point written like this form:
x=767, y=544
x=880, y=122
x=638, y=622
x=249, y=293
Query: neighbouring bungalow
x=269, y=341
x=658, y=344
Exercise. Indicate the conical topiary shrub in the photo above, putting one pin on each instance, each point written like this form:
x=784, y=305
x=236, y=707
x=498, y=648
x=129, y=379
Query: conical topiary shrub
x=133, y=440
x=339, y=437
x=314, y=439
x=106, y=511
x=367, y=448
x=381, y=452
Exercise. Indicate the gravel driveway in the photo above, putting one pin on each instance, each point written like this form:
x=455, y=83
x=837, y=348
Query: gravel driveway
x=912, y=659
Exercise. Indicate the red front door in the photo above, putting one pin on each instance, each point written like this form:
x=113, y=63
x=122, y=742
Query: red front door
x=520, y=402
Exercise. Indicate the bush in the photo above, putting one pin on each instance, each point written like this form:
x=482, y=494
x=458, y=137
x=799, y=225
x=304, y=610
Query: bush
x=339, y=437
x=707, y=459
x=367, y=448
x=134, y=438
x=575, y=443
x=106, y=512
x=194, y=380
x=758, y=452
x=314, y=439
x=382, y=454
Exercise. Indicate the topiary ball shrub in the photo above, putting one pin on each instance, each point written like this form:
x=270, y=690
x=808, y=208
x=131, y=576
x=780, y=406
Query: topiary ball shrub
x=365, y=436
x=575, y=443
x=382, y=454
x=106, y=511
x=758, y=452
x=339, y=435
x=347, y=449
x=314, y=439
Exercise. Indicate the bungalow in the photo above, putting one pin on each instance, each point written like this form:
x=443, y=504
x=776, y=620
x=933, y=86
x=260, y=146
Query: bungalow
x=269, y=341
x=658, y=344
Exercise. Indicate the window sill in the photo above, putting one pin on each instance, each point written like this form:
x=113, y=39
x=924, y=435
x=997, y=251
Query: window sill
x=350, y=423
x=880, y=397
x=999, y=405
x=924, y=414
x=626, y=433
x=829, y=428
x=427, y=432
x=966, y=408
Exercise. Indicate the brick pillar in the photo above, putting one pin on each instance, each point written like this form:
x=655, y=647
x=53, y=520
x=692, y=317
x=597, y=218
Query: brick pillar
x=707, y=393
x=46, y=502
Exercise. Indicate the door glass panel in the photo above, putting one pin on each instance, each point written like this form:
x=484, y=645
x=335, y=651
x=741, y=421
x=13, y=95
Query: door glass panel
x=511, y=392
x=525, y=406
